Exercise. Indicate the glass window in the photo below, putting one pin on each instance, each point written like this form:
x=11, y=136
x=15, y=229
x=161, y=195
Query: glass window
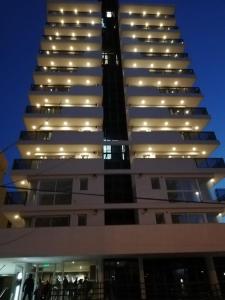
x=48, y=221
x=159, y=218
x=188, y=218
x=83, y=184
x=82, y=220
x=155, y=183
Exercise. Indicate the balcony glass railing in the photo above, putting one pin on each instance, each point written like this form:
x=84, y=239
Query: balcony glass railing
x=157, y=54
x=50, y=110
x=188, y=111
x=209, y=163
x=72, y=13
x=182, y=90
x=71, y=25
x=56, y=69
x=156, y=16
x=220, y=194
x=16, y=198
x=65, y=38
x=198, y=136
x=154, y=27
x=36, y=135
x=61, y=52
x=26, y=164
x=161, y=41
x=172, y=71
x=50, y=88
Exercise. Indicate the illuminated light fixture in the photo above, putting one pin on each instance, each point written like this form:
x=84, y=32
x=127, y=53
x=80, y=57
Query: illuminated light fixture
x=62, y=22
x=169, y=156
x=161, y=24
x=167, y=50
x=45, y=68
x=16, y=217
x=85, y=149
x=175, y=82
x=87, y=101
x=169, y=66
x=144, y=13
x=75, y=11
x=135, y=49
x=87, y=81
x=88, y=64
x=61, y=149
x=174, y=148
x=50, y=38
x=162, y=101
x=194, y=149
x=68, y=80
x=134, y=65
x=28, y=153
x=78, y=22
x=89, y=35
x=22, y=182
x=212, y=180
x=47, y=52
x=158, y=13
x=37, y=149
x=80, y=267
x=133, y=36
x=181, y=101
x=57, y=33
x=67, y=100
x=197, y=193
x=87, y=123
x=166, y=123
x=90, y=11
x=52, y=63
x=88, y=48
x=49, y=80
x=34, y=127
x=196, y=127
x=159, y=82
x=140, y=82
x=151, y=50
x=146, y=24
x=164, y=37
x=46, y=123
x=70, y=63
x=150, y=149
x=92, y=22
x=53, y=47
x=65, y=123
x=152, y=66
x=145, y=123
x=71, y=48
x=61, y=10
x=187, y=112
x=203, y=152
x=46, y=100
x=132, y=24
x=130, y=12
x=149, y=36
x=187, y=123
x=73, y=34
x=142, y=101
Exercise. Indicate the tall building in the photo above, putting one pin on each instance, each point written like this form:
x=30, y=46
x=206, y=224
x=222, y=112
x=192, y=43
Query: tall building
x=115, y=181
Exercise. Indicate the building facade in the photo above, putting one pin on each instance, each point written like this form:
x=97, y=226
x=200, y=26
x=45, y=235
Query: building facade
x=115, y=180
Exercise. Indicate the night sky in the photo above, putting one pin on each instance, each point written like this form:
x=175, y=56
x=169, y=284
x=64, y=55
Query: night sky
x=202, y=26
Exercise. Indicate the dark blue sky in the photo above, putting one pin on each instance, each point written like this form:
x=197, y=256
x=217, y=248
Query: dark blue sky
x=202, y=26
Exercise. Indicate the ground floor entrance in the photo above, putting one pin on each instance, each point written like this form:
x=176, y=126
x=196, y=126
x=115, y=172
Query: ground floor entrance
x=115, y=278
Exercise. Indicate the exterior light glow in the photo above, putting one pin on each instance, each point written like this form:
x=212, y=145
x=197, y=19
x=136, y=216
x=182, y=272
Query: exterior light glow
x=187, y=123
x=159, y=82
x=46, y=123
x=134, y=65
x=85, y=149
x=167, y=50
x=140, y=82
x=49, y=80
x=174, y=148
x=68, y=80
x=23, y=182
x=71, y=48
x=181, y=101
x=70, y=63
x=166, y=123
x=87, y=81
x=53, y=47
x=88, y=48
x=34, y=127
x=61, y=149
x=46, y=100
x=28, y=153
x=162, y=101
x=150, y=149
x=67, y=100
x=194, y=148
x=175, y=82
x=16, y=217
x=37, y=149
x=196, y=127
x=203, y=152
x=169, y=66
x=52, y=63
x=87, y=123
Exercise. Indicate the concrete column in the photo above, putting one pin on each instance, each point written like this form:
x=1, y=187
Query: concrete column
x=142, y=278
x=213, y=279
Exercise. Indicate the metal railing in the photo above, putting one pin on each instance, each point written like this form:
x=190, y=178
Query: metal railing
x=65, y=37
x=188, y=111
x=70, y=25
x=36, y=135
x=61, y=52
x=50, y=110
x=153, y=27
x=56, y=69
x=172, y=71
x=182, y=90
x=16, y=198
x=161, y=41
x=50, y=88
x=198, y=136
x=210, y=163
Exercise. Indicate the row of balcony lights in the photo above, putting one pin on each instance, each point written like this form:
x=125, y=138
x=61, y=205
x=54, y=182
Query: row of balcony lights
x=67, y=101
x=77, y=22
x=73, y=34
x=75, y=11
x=61, y=149
x=71, y=48
x=151, y=50
x=70, y=64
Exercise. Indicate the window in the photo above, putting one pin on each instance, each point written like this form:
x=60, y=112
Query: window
x=120, y=217
x=107, y=152
x=188, y=218
x=184, y=189
x=55, y=191
x=83, y=184
x=109, y=14
x=155, y=183
x=159, y=218
x=82, y=220
x=215, y=218
x=49, y=221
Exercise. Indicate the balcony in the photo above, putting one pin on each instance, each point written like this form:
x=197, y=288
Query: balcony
x=146, y=118
x=74, y=25
x=156, y=77
x=163, y=96
x=147, y=19
x=67, y=166
x=163, y=166
x=62, y=30
x=137, y=9
x=173, y=143
x=69, y=13
x=81, y=76
x=151, y=41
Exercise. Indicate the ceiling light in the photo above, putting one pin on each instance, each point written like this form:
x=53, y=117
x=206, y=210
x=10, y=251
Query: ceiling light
x=88, y=64
x=87, y=81
x=87, y=123
x=133, y=36
x=142, y=101
x=23, y=182
x=174, y=148
x=87, y=100
x=134, y=65
x=135, y=49
x=53, y=47
x=166, y=123
x=28, y=153
x=88, y=48
x=151, y=50
x=73, y=34
x=132, y=24
x=203, y=152
x=71, y=48
x=78, y=22
x=167, y=50
x=130, y=12
x=57, y=33
x=16, y=217
x=37, y=149
x=145, y=123
x=149, y=36
x=75, y=11
x=152, y=66
x=159, y=82
x=169, y=66
x=84, y=149
x=46, y=100
x=61, y=149
x=70, y=63
x=150, y=149
x=162, y=101
x=65, y=123
x=67, y=100
x=140, y=82
x=61, y=10
x=158, y=13
x=175, y=82
x=181, y=101
x=196, y=127
x=89, y=35
x=52, y=63
x=187, y=123
x=34, y=127
x=62, y=22
x=212, y=180
x=49, y=80
x=161, y=24
x=144, y=13
x=68, y=80
x=164, y=37
x=46, y=123
x=194, y=149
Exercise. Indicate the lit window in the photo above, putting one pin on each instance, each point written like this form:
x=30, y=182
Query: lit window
x=109, y=14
